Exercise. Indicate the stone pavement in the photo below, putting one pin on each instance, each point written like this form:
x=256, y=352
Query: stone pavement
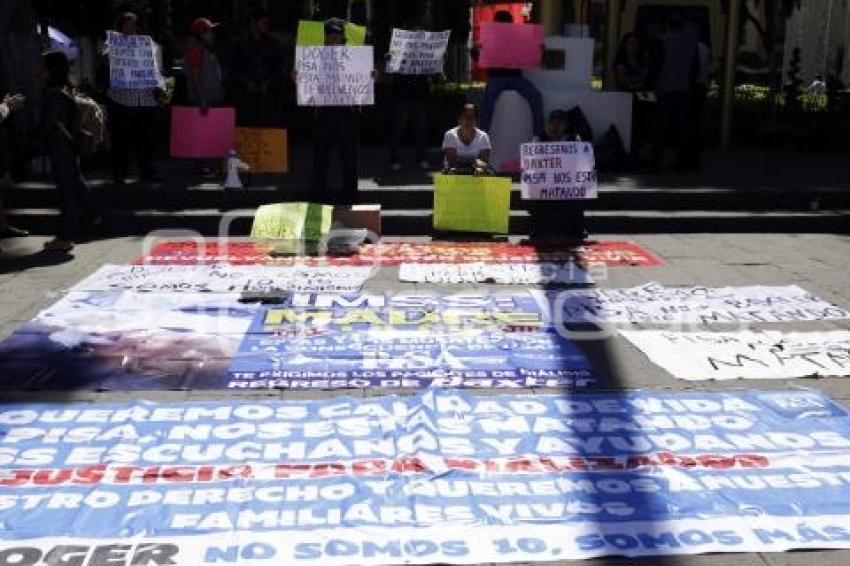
x=30, y=281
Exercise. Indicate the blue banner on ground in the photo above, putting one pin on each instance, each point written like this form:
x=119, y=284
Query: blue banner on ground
x=150, y=341
x=442, y=477
x=408, y=341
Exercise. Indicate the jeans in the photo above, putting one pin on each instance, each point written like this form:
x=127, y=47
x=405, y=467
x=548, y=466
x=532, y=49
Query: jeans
x=339, y=129
x=497, y=85
x=71, y=188
x=133, y=130
x=405, y=111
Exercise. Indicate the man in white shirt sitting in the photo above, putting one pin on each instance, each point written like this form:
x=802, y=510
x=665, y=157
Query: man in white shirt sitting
x=466, y=149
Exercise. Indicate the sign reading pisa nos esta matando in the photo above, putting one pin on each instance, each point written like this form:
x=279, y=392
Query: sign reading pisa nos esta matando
x=558, y=171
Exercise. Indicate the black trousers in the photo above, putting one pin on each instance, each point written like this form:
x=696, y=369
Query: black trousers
x=133, y=130
x=335, y=129
x=71, y=188
x=675, y=125
x=557, y=219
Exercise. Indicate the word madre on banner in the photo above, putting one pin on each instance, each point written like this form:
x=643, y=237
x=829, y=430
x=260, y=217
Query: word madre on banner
x=438, y=477
x=133, y=61
x=417, y=52
x=335, y=76
x=558, y=171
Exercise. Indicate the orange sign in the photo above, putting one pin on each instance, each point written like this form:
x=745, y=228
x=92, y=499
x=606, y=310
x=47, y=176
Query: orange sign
x=264, y=149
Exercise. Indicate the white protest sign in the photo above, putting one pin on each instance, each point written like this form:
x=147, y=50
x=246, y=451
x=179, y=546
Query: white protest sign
x=558, y=171
x=417, y=52
x=655, y=304
x=335, y=75
x=499, y=273
x=224, y=279
x=698, y=356
x=133, y=61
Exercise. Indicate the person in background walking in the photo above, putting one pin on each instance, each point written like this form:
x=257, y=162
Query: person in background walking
x=675, y=89
x=132, y=119
x=204, y=75
x=500, y=80
x=58, y=134
x=335, y=127
x=256, y=73
x=562, y=218
x=700, y=95
x=9, y=104
x=466, y=148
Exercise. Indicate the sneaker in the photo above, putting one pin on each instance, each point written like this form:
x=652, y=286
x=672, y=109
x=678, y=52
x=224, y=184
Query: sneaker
x=58, y=245
x=395, y=166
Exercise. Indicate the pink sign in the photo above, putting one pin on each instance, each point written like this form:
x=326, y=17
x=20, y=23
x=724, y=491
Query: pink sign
x=194, y=135
x=511, y=46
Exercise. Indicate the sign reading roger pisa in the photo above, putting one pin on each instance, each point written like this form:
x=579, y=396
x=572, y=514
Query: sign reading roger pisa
x=441, y=477
x=417, y=52
x=335, y=76
x=133, y=61
x=558, y=171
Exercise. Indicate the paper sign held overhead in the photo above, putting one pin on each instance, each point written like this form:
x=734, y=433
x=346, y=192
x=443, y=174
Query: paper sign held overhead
x=511, y=46
x=558, y=171
x=264, y=149
x=194, y=135
x=472, y=204
x=312, y=33
x=417, y=52
x=335, y=76
x=133, y=62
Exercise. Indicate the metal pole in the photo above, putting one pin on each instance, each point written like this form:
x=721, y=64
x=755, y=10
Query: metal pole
x=612, y=39
x=731, y=63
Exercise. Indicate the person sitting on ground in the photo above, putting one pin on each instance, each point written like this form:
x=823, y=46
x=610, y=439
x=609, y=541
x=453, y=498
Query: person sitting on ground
x=10, y=104
x=563, y=218
x=466, y=149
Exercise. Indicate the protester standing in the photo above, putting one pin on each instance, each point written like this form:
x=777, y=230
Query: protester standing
x=58, y=134
x=700, y=95
x=133, y=114
x=501, y=80
x=256, y=72
x=631, y=74
x=335, y=128
x=466, y=148
x=205, y=86
x=675, y=89
x=563, y=218
x=9, y=104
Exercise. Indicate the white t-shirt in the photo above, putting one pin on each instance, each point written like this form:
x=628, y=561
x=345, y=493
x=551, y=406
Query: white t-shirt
x=480, y=143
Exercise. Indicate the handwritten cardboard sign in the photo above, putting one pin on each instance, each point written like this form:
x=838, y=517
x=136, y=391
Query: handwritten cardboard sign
x=511, y=46
x=194, y=135
x=133, y=62
x=264, y=149
x=558, y=171
x=472, y=204
x=417, y=52
x=335, y=76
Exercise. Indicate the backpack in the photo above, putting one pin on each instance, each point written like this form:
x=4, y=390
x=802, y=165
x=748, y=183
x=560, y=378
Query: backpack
x=89, y=128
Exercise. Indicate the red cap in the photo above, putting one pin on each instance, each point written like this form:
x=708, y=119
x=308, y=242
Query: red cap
x=202, y=26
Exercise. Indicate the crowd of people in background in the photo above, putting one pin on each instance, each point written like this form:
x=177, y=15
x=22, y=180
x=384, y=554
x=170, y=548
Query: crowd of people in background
x=667, y=70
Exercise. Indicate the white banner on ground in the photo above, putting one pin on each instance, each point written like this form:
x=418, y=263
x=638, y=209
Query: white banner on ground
x=417, y=52
x=224, y=279
x=497, y=273
x=699, y=356
x=558, y=171
x=654, y=303
x=337, y=75
x=133, y=61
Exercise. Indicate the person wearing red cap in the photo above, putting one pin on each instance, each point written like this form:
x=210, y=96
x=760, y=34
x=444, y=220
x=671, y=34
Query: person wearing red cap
x=203, y=73
x=203, y=68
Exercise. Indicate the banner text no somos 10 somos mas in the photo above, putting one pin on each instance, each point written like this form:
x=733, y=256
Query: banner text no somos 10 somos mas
x=440, y=477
